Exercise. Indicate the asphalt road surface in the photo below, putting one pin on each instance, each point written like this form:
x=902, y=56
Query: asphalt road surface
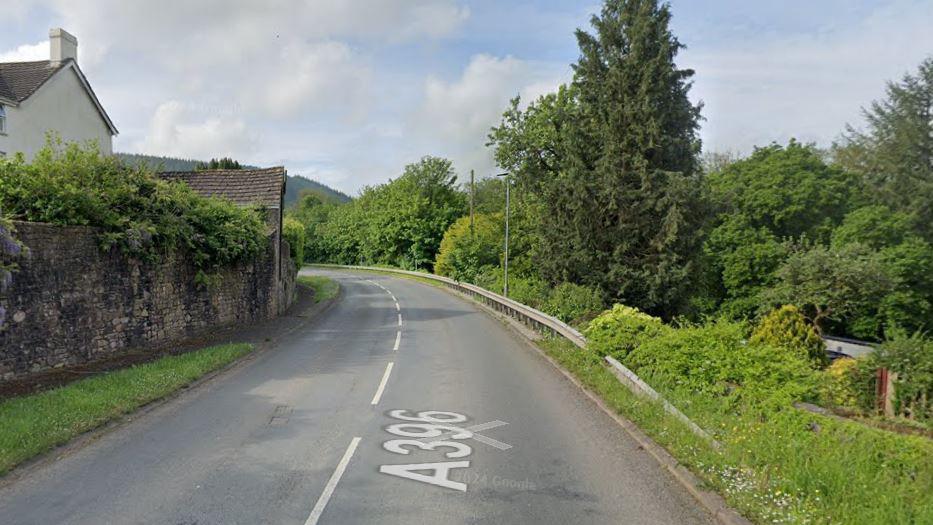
x=400, y=404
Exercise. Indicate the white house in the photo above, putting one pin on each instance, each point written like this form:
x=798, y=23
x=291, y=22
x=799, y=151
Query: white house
x=50, y=95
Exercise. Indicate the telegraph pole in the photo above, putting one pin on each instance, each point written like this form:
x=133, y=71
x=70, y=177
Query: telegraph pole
x=472, y=197
x=505, y=287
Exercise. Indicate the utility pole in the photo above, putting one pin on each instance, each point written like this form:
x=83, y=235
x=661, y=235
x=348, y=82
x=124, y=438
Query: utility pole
x=505, y=287
x=472, y=197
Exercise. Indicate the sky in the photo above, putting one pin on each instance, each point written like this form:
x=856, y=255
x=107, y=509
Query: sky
x=348, y=92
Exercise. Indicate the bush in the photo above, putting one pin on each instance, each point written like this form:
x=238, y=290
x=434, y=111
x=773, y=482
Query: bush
x=294, y=233
x=911, y=358
x=573, y=303
x=785, y=327
x=618, y=331
x=529, y=291
x=714, y=359
x=842, y=387
x=136, y=212
x=463, y=254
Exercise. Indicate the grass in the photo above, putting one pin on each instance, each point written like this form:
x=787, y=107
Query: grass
x=323, y=287
x=36, y=423
x=784, y=467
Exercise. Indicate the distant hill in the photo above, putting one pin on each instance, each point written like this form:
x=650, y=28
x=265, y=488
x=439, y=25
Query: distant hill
x=293, y=186
x=296, y=184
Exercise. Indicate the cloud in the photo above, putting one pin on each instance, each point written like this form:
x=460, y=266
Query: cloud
x=806, y=85
x=27, y=53
x=324, y=76
x=462, y=111
x=178, y=130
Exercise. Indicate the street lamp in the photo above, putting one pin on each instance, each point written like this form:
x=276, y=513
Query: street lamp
x=508, y=183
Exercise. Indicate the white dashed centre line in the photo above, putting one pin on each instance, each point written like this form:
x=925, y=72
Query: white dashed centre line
x=382, y=384
x=400, y=319
x=332, y=483
x=398, y=340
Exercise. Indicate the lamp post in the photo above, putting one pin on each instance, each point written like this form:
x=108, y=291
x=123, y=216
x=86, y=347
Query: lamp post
x=508, y=183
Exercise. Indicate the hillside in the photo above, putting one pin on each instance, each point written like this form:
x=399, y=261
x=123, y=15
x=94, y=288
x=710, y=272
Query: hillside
x=293, y=187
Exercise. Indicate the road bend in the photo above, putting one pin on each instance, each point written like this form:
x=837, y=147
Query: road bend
x=400, y=404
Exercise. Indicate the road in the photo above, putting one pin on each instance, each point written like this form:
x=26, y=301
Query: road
x=314, y=431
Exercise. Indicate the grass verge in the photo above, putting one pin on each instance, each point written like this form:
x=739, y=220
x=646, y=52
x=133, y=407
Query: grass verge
x=788, y=467
x=323, y=287
x=33, y=424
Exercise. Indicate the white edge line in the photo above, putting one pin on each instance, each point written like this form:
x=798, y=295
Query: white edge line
x=398, y=340
x=332, y=483
x=382, y=384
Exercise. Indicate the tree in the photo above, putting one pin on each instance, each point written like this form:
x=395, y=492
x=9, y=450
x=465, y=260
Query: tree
x=894, y=153
x=613, y=160
x=463, y=253
x=828, y=283
x=785, y=327
x=777, y=193
x=906, y=258
x=225, y=163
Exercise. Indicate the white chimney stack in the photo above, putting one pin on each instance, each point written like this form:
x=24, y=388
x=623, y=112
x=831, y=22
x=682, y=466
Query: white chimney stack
x=63, y=45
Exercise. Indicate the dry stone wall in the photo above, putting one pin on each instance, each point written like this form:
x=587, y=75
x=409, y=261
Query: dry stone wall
x=72, y=303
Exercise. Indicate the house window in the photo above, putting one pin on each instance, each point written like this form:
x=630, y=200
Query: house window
x=2, y=119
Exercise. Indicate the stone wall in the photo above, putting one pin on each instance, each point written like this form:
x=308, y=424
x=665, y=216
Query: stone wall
x=71, y=302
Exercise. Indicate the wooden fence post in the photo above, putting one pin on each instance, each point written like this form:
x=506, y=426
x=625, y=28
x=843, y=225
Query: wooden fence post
x=884, y=388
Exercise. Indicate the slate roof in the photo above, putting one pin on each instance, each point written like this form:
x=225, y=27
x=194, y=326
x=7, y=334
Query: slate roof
x=244, y=187
x=19, y=80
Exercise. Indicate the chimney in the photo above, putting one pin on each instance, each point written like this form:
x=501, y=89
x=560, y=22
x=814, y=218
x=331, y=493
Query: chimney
x=63, y=46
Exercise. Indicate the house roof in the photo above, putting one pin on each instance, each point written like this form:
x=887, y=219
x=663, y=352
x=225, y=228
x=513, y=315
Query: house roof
x=19, y=80
x=265, y=187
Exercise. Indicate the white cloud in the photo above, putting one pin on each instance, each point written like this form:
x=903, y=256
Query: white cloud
x=27, y=53
x=460, y=113
x=806, y=85
x=326, y=76
x=178, y=130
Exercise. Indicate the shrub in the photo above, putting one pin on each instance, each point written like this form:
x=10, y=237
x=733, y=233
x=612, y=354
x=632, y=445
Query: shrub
x=842, y=387
x=618, y=331
x=529, y=291
x=294, y=232
x=714, y=359
x=911, y=358
x=136, y=212
x=463, y=253
x=573, y=303
x=785, y=327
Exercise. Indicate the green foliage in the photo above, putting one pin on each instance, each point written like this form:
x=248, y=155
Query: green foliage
x=828, y=283
x=714, y=359
x=786, y=328
x=847, y=385
x=400, y=223
x=908, y=261
x=894, y=153
x=465, y=251
x=573, y=303
x=528, y=290
x=294, y=233
x=225, y=163
x=136, y=212
x=612, y=161
x=911, y=358
x=777, y=193
x=619, y=331
x=788, y=191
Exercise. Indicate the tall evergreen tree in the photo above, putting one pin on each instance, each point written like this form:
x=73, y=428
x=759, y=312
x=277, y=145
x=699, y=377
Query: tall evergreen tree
x=623, y=211
x=894, y=152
